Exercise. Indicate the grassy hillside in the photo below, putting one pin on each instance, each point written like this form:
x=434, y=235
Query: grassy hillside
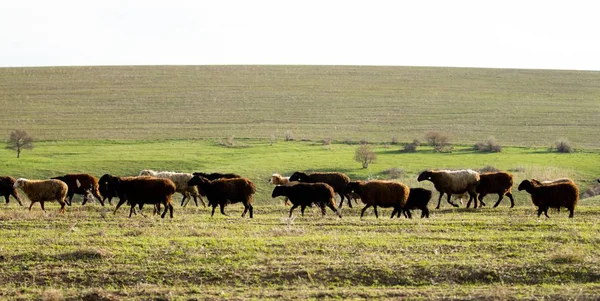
x=518, y=107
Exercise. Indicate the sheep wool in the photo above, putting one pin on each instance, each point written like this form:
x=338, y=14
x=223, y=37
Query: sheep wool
x=44, y=191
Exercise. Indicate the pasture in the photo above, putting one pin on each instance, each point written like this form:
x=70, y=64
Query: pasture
x=121, y=120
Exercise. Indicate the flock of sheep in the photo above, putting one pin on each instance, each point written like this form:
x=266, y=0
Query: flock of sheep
x=301, y=190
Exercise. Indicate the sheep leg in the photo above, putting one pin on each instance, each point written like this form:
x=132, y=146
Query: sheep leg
x=425, y=212
x=292, y=209
x=500, y=196
x=409, y=213
x=6, y=198
x=375, y=209
x=62, y=207
x=546, y=212
x=450, y=201
x=85, y=199
x=167, y=207
x=201, y=200
x=473, y=196
x=363, y=211
x=439, y=200
x=119, y=204
x=98, y=197
x=213, y=211
x=32, y=202
x=132, y=209
x=571, y=212
x=222, y=205
x=183, y=201
x=330, y=205
x=404, y=213
x=245, y=209
x=394, y=212
x=347, y=198
x=196, y=201
x=42, y=204
x=512, y=201
x=302, y=208
x=70, y=198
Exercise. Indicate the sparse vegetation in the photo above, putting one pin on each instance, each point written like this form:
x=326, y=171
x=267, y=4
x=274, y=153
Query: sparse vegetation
x=488, y=146
x=288, y=136
x=439, y=142
x=412, y=147
x=563, y=146
x=394, y=173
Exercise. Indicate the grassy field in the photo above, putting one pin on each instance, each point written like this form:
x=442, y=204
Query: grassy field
x=120, y=120
x=518, y=107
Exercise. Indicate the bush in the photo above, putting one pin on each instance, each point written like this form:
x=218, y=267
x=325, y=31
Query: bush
x=365, y=155
x=563, y=146
x=326, y=141
x=412, y=147
x=439, y=141
x=489, y=146
x=393, y=173
x=489, y=168
x=394, y=141
x=287, y=136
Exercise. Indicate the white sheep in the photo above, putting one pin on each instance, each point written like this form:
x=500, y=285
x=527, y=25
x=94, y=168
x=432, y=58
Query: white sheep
x=181, y=183
x=453, y=182
x=44, y=191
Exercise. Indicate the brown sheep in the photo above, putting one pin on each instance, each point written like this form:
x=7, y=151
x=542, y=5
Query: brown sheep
x=44, y=191
x=452, y=182
x=336, y=180
x=226, y=191
x=7, y=189
x=495, y=182
x=143, y=190
x=380, y=193
x=305, y=194
x=561, y=194
x=82, y=184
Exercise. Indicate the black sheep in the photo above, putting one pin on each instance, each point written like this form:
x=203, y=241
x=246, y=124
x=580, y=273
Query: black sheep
x=336, y=180
x=305, y=194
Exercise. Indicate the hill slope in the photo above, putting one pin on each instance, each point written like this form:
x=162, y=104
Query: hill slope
x=518, y=107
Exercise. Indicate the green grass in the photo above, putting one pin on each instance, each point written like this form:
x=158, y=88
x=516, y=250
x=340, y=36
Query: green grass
x=491, y=253
x=518, y=107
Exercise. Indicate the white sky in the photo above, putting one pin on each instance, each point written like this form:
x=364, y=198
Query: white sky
x=498, y=34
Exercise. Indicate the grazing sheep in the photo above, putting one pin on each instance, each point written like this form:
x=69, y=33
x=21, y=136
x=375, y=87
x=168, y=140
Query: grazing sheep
x=418, y=198
x=44, y=191
x=277, y=179
x=336, y=180
x=561, y=194
x=305, y=194
x=143, y=190
x=7, y=189
x=452, y=182
x=181, y=182
x=226, y=191
x=82, y=184
x=380, y=193
x=495, y=182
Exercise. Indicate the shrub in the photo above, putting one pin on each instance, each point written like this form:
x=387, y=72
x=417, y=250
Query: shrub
x=364, y=141
x=394, y=141
x=490, y=145
x=365, y=155
x=287, y=136
x=563, y=146
x=439, y=141
x=489, y=168
x=412, y=147
x=326, y=141
x=393, y=173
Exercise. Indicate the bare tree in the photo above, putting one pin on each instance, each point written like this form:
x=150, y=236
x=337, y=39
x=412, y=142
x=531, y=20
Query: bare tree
x=365, y=155
x=18, y=141
x=439, y=141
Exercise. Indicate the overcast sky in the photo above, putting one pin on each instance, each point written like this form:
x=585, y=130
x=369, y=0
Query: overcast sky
x=498, y=34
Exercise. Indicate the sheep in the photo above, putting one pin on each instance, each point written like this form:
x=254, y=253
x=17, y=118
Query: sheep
x=7, y=189
x=495, y=182
x=305, y=194
x=277, y=179
x=143, y=190
x=226, y=191
x=104, y=190
x=418, y=198
x=216, y=175
x=336, y=180
x=82, y=184
x=561, y=180
x=44, y=191
x=452, y=182
x=556, y=195
x=180, y=180
x=380, y=193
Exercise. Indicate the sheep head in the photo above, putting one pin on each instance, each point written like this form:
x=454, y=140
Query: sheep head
x=147, y=172
x=526, y=185
x=426, y=175
x=19, y=182
x=299, y=176
x=352, y=187
x=278, y=191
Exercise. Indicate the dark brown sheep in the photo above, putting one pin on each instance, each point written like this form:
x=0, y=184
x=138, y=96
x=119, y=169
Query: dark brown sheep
x=82, y=184
x=226, y=191
x=216, y=175
x=384, y=194
x=143, y=190
x=336, y=180
x=495, y=182
x=305, y=194
x=7, y=189
x=418, y=198
x=560, y=194
x=104, y=190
